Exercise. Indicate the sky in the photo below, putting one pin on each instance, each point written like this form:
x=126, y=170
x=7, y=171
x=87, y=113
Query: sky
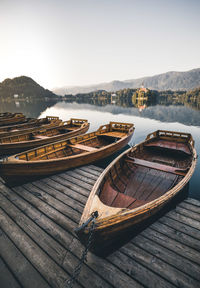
x=82, y=42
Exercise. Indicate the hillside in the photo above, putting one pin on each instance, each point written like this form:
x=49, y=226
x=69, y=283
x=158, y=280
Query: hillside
x=167, y=81
x=24, y=87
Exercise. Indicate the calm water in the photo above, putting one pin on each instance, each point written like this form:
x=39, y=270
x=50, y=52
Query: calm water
x=175, y=118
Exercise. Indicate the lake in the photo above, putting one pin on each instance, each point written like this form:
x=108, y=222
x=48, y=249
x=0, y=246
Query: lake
x=146, y=119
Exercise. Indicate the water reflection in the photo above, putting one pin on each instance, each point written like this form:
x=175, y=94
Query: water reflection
x=150, y=117
x=163, y=108
x=171, y=113
x=167, y=109
x=30, y=108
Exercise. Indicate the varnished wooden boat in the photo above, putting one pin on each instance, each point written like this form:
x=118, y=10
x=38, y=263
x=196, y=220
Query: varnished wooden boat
x=31, y=124
x=10, y=119
x=28, y=140
x=137, y=184
x=63, y=155
x=5, y=114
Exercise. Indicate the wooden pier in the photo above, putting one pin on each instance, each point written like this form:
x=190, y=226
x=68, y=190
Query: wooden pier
x=38, y=247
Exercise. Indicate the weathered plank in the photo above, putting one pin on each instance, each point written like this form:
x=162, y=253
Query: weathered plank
x=70, y=202
x=7, y=280
x=171, y=244
x=80, y=175
x=87, y=174
x=62, y=188
x=49, y=245
x=70, y=260
x=53, y=202
x=54, y=275
x=24, y=271
x=193, y=201
x=94, y=167
x=48, y=225
x=139, y=272
x=110, y=272
x=180, y=227
x=46, y=242
x=167, y=255
x=39, y=217
x=87, y=276
x=159, y=267
x=184, y=219
x=190, y=207
x=55, y=215
x=70, y=185
x=90, y=170
x=188, y=213
x=176, y=235
x=76, y=181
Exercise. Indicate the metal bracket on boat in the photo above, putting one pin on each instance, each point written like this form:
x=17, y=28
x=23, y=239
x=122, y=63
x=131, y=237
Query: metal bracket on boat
x=70, y=282
x=82, y=227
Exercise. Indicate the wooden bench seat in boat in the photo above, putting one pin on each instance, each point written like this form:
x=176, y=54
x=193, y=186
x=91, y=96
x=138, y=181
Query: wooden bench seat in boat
x=169, y=145
x=69, y=128
x=115, y=134
x=83, y=147
x=157, y=166
x=111, y=197
x=40, y=137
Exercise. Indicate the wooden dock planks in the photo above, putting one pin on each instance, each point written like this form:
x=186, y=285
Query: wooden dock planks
x=38, y=247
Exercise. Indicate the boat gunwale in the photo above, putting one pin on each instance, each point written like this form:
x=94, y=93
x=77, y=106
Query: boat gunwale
x=22, y=130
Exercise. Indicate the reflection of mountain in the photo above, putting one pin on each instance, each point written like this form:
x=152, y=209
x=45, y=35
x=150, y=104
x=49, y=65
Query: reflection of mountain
x=171, y=113
x=30, y=108
x=181, y=114
x=164, y=113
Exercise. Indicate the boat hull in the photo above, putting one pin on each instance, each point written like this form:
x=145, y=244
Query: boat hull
x=114, y=222
x=12, y=119
x=29, y=126
x=41, y=168
x=16, y=147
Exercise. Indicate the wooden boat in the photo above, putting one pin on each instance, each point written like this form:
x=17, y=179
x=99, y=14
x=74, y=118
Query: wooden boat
x=137, y=184
x=12, y=119
x=63, y=155
x=28, y=140
x=31, y=124
x=5, y=114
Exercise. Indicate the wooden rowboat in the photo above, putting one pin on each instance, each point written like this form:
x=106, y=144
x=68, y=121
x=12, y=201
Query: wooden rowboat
x=5, y=114
x=63, y=155
x=137, y=184
x=28, y=140
x=9, y=119
x=31, y=124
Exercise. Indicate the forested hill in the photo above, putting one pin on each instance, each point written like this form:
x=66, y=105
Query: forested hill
x=167, y=81
x=24, y=87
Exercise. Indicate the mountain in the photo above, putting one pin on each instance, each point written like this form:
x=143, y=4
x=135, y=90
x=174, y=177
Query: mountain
x=167, y=81
x=24, y=87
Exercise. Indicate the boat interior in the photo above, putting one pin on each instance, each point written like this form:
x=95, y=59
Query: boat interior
x=68, y=148
x=146, y=173
x=104, y=136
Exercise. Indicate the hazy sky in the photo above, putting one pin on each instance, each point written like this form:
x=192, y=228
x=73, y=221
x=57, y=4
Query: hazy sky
x=80, y=42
